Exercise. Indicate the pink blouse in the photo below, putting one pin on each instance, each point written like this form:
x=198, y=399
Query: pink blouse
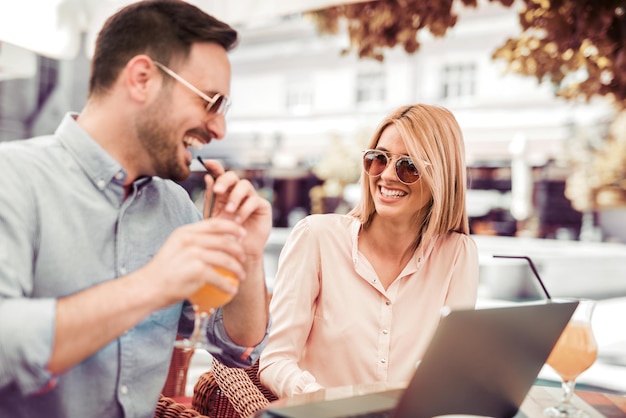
x=333, y=323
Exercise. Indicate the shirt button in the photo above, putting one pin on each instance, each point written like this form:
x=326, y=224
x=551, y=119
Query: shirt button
x=383, y=360
x=101, y=184
x=123, y=389
x=385, y=331
x=119, y=175
x=374, y=281
x=388, y=303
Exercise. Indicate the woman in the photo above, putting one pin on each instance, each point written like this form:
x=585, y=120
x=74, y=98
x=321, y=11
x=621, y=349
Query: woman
x=357, y=297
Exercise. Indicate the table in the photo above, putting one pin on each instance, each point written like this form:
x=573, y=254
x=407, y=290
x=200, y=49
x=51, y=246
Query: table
x=597, y=404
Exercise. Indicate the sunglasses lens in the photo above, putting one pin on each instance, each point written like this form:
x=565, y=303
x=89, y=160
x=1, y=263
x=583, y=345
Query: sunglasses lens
x=374, y=163
x=407, y=171
x=216, y=106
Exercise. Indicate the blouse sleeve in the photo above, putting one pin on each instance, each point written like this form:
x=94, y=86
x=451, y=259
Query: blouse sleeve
x=292, y=308
x=463, y=288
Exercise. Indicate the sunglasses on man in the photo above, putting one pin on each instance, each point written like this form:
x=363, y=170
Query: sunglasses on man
x=216, y=105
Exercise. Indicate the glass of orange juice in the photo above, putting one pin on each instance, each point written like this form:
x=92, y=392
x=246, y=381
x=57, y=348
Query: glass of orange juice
x=205, y=301
x=575, y=351
x=207, y=298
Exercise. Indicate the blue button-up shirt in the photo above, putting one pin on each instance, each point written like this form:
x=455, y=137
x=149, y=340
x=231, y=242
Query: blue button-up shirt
x=65, y=226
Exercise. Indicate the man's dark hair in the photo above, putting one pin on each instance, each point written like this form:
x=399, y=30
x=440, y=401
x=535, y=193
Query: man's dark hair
x=162, y=29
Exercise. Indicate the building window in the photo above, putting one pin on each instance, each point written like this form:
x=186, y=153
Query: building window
x=370, y=87
x=299, y=95
x=459, y=80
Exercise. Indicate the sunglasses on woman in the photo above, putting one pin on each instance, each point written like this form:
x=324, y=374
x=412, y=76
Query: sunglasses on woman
x=375, y=161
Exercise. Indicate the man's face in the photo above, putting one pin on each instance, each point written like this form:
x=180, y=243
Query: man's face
x=178, y=118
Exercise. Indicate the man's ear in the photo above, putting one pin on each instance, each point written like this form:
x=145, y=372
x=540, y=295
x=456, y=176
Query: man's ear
x=141, y=78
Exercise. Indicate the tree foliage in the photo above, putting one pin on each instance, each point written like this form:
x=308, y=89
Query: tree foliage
x=379, y=24
x=578, y=45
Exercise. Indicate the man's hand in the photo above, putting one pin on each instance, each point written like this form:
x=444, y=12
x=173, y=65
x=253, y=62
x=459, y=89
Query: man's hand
x=187, y=259
x=238, y=200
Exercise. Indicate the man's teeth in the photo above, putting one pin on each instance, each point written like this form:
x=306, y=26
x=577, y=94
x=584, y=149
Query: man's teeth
x=193, y=142
x=391, y=193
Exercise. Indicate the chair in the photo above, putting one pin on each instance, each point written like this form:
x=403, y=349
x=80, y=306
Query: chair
x=169, y=408
x=226, y=392
x=177, y=375
x=230, y=392
x=172, y=403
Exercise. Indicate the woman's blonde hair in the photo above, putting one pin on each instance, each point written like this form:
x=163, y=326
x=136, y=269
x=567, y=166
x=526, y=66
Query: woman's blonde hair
x=434, y=142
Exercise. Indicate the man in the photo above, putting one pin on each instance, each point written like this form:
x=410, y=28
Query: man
x=99, y=247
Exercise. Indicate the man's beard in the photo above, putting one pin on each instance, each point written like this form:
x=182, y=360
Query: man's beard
x=155, y=131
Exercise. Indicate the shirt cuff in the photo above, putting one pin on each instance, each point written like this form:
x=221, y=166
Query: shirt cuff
x=233, y=355
x=26, y=343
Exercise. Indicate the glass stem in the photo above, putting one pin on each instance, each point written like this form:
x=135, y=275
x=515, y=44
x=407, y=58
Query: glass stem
x=568, y=390
x=200, y=326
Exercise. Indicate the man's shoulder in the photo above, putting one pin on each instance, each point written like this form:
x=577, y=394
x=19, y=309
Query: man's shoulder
x=28, y=144
x=18, y=153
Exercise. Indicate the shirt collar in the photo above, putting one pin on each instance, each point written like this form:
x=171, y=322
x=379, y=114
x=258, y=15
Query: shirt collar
x=99, y=166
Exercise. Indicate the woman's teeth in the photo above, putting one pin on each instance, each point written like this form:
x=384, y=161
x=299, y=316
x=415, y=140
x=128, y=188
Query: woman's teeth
x=192, y=141
x=391, y=193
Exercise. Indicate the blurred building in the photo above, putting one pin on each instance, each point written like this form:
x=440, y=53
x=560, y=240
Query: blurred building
x=296, y=96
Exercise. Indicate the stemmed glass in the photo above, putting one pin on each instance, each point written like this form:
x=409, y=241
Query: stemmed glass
x=206, y=300
x=575, y=351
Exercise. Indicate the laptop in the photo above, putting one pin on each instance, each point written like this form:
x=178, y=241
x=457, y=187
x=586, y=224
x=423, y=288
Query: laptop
x=479, y=362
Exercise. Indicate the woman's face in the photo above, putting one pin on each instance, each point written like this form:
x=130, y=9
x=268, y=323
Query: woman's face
x=392, y=198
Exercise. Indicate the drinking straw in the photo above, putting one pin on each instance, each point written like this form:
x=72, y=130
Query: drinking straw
x=212, y=204
x=532, y=267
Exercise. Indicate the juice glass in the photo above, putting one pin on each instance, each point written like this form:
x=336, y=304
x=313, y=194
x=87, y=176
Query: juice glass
x=205, y=301
x=575, y=351
x=208, y=298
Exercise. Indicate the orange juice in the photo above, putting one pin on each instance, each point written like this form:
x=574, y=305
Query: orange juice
x=574, y=352
x=208, y=297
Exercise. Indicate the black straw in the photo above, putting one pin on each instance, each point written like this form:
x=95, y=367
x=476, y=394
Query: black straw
x=532, y=267
x=212, y=204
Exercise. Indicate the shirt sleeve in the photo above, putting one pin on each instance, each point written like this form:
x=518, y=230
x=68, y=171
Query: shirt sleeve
x=26, y=324
x=463, y=288
x=232, y=355
x=26, y=343
x=296, y=288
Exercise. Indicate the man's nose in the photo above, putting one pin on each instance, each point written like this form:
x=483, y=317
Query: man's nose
x=216, y=124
